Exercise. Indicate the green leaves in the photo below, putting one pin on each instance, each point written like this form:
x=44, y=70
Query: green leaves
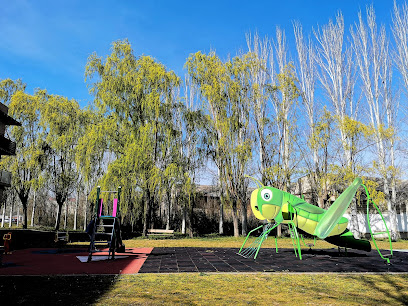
x=135, y=105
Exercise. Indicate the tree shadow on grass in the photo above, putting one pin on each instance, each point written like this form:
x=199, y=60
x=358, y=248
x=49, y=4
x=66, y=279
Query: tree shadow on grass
x=378, y=285
x=398, y=296
x=54, y=290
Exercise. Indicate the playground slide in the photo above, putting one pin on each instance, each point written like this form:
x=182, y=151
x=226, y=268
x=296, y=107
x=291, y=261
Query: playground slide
x=347, y=240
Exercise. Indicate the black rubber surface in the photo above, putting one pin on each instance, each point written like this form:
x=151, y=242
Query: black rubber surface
x=175, y=260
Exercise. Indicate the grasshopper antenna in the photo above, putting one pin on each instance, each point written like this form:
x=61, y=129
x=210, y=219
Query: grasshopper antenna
x=257, y=182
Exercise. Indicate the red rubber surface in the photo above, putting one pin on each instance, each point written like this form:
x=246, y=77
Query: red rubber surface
x=65, y=262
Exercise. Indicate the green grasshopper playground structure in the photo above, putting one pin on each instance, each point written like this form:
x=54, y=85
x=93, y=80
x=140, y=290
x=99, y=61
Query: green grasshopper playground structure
x=104, y=229
x=271, y=204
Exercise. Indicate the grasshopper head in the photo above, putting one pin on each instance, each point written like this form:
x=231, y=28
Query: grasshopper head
x=266, y=202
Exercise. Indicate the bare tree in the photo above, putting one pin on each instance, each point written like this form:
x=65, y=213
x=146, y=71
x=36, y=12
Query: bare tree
x=283, y=93
x=306, y=72
x=400, y=33
x=282, y=105
x=261, y=48
x=372, y=57
x=336, y=74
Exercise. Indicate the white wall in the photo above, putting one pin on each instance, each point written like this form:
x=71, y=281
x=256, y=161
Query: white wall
x=376, y=223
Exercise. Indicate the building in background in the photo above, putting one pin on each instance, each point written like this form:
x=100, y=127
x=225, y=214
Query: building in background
x=7, y=147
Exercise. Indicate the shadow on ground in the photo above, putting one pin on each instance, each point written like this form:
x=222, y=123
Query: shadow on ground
x=54, y=290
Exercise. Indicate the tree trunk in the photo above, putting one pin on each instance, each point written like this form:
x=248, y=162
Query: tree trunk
x=392, y=213
x=132, y=223
x=146, y=213
x=58, y=219
x=168, y=210
x=244, y=221
x=394, y=203
x=66, y=216
x=394, y=193
x=184, y=217
x=18, y=216
x=235, y=220
x=76, y=211
x=24, y=200
x=85, y=211
x=3, y=215
x=25, y=220
x=33, y=211
x=221, y=219
x=11, y=214
x=354, y=219
x=191, y=218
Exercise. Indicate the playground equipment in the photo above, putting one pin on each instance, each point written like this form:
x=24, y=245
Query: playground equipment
x=105, y=229
x=271, y=204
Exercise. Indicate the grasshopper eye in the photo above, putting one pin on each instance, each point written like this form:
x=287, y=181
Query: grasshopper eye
x=266, y=195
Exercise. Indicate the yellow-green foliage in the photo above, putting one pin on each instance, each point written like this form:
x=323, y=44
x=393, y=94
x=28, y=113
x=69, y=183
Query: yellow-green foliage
x=224, y=87
x=26, y=167
x=354, y=131
x=377, y=196
x=321, y=131
x=135, y=123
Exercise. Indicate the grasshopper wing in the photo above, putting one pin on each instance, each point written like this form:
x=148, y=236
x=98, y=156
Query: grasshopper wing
x=336, y=211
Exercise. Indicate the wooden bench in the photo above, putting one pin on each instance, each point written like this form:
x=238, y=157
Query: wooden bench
x=160, y=232
x=61, y=237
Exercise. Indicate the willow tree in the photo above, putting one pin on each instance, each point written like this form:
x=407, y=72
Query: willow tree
x=224, y=88
x=8, y=88
x=134, y=94
x=89, y=156
x=61, y=121
x=190, y=120
x=26, y=166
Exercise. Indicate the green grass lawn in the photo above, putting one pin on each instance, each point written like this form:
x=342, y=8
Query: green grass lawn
x=242, y=289
x=207, y=289
x=211, y=288
x=236, y=242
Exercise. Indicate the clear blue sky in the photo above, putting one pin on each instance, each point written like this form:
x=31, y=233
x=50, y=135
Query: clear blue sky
x=47, y=43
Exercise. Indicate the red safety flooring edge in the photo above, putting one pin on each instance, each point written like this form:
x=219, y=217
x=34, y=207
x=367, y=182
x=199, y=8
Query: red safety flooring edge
x=65, y=262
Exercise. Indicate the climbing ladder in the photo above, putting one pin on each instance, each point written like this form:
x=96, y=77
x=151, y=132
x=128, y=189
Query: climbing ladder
x=295, y=239
x=387, y=256
x=105, y=228
x=252, y=250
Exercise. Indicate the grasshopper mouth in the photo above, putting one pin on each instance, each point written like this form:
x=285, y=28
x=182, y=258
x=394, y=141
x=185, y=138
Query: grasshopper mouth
x=255, y=206
x=270, y=211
